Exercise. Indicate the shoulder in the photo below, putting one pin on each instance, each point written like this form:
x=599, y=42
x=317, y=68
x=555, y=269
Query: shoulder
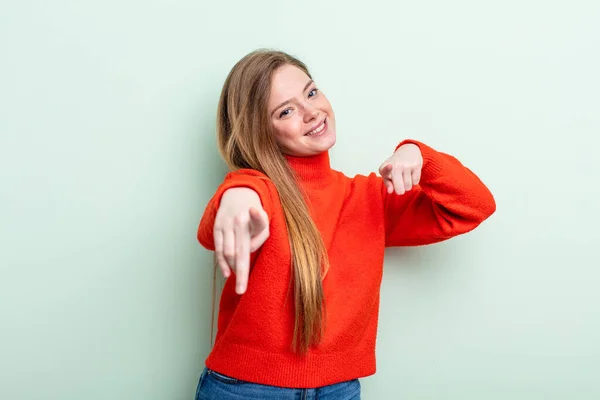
x=369, y=185
x=245, y=173
x=371, y=181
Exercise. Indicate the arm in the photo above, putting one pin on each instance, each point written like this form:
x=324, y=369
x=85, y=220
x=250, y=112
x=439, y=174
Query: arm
x=240, y=179
x=235, y=224
x=449, y=200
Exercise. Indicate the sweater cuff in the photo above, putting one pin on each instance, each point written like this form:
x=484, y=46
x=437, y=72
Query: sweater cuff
x=431, y=157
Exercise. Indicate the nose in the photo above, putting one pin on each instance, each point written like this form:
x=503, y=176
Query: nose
x=310, y=113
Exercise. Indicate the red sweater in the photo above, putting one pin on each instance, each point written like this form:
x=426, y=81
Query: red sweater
x=357, y=219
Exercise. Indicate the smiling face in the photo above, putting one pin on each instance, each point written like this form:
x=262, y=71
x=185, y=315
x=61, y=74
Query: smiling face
x=302, y=117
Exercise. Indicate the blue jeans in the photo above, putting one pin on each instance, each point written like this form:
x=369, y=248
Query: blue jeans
x=216, y=386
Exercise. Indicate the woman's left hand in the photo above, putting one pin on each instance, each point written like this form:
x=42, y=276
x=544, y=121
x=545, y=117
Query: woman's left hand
x=402, y=170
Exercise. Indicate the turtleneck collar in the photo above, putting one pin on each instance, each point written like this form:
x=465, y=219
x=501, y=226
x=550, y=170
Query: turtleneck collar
x=312, y=169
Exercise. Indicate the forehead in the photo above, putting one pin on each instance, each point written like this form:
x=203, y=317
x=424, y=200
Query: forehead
x=287, y=82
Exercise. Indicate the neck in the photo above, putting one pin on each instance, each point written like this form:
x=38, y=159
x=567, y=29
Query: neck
x=313, y=169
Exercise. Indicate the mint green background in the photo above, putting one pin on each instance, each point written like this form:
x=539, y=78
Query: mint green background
x=108, y=157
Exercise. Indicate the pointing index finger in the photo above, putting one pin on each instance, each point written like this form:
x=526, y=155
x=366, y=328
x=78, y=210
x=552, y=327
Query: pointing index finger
x=242, y=238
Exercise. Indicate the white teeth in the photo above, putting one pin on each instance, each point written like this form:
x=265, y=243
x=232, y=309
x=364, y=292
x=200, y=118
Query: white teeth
x=318, y=130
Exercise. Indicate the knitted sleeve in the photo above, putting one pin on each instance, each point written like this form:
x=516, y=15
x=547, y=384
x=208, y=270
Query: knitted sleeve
x=450, y=200
x=248, y=178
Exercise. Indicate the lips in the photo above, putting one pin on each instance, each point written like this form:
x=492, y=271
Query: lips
x=318, y=129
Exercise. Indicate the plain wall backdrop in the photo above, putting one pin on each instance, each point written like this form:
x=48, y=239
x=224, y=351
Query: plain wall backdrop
x=108, y=157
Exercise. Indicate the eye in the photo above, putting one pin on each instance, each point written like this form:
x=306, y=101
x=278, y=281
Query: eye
x=285, y=112
x=313, y=92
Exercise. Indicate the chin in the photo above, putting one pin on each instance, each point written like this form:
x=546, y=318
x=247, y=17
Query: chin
x=310, y=146
x=329, y=145
x=322, y=143
x=329, y=141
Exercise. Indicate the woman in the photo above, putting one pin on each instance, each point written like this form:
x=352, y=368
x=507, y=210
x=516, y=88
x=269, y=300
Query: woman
x=302, y=245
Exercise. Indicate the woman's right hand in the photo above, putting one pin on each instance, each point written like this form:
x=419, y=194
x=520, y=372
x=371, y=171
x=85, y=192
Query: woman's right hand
x=241, y=227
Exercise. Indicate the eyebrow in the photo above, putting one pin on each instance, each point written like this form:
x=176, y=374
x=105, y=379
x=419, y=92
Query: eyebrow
x=287, y=101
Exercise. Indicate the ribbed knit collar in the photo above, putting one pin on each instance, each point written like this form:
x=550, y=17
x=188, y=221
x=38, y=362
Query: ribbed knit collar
x=312, y=170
